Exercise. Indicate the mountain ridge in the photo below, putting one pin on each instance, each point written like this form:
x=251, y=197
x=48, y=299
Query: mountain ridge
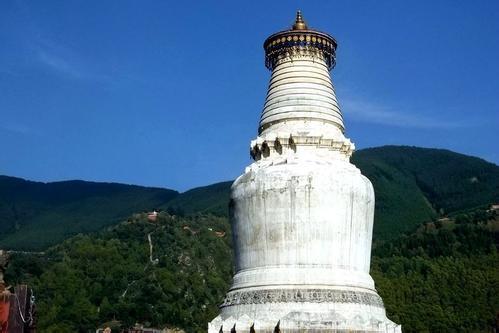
x=412, y=185
x=34, y=215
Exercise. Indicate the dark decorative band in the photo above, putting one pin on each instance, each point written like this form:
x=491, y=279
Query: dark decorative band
x=301, y=296
x=277, y=45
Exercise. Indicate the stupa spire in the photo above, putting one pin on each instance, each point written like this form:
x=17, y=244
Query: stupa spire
x=299, y=22
x=301, y=101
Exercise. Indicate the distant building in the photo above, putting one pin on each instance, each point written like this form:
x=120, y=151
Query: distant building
x=220, y=234
x=152, y=216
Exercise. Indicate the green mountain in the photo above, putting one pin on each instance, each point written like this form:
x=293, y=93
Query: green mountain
x=34, y=215
x=435, y=275
x=412, y=185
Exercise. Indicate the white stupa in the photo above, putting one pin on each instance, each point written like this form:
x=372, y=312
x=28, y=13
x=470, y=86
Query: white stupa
x=302, y=214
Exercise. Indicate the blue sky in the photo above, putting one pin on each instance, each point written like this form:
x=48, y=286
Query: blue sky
x=169, y=93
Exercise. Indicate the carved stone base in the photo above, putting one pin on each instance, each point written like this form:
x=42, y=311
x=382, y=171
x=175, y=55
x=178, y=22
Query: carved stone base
x=302, y=310
x=261, y=296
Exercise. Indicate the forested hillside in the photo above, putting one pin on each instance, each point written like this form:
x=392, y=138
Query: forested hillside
x=435, y=260
x=442, y=277
x=116, y=274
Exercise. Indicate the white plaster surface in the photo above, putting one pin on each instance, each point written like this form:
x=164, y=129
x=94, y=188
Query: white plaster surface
x=301, y=88
x=302, y=215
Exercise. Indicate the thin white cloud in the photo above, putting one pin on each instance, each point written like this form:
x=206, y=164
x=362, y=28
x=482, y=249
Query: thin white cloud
x=64, y=61
x=60, y=65
x=361, y=111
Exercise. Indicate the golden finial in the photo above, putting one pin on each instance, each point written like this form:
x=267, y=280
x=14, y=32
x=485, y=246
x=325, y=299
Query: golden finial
x=299, y=23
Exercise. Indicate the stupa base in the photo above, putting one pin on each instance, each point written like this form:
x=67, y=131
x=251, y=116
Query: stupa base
x=295, y=322
x=303, y=310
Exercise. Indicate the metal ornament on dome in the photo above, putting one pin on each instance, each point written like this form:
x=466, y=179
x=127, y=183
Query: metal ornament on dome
x=299, y=39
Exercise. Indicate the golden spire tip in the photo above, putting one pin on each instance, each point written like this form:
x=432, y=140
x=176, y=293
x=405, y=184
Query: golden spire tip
x=299, y=22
